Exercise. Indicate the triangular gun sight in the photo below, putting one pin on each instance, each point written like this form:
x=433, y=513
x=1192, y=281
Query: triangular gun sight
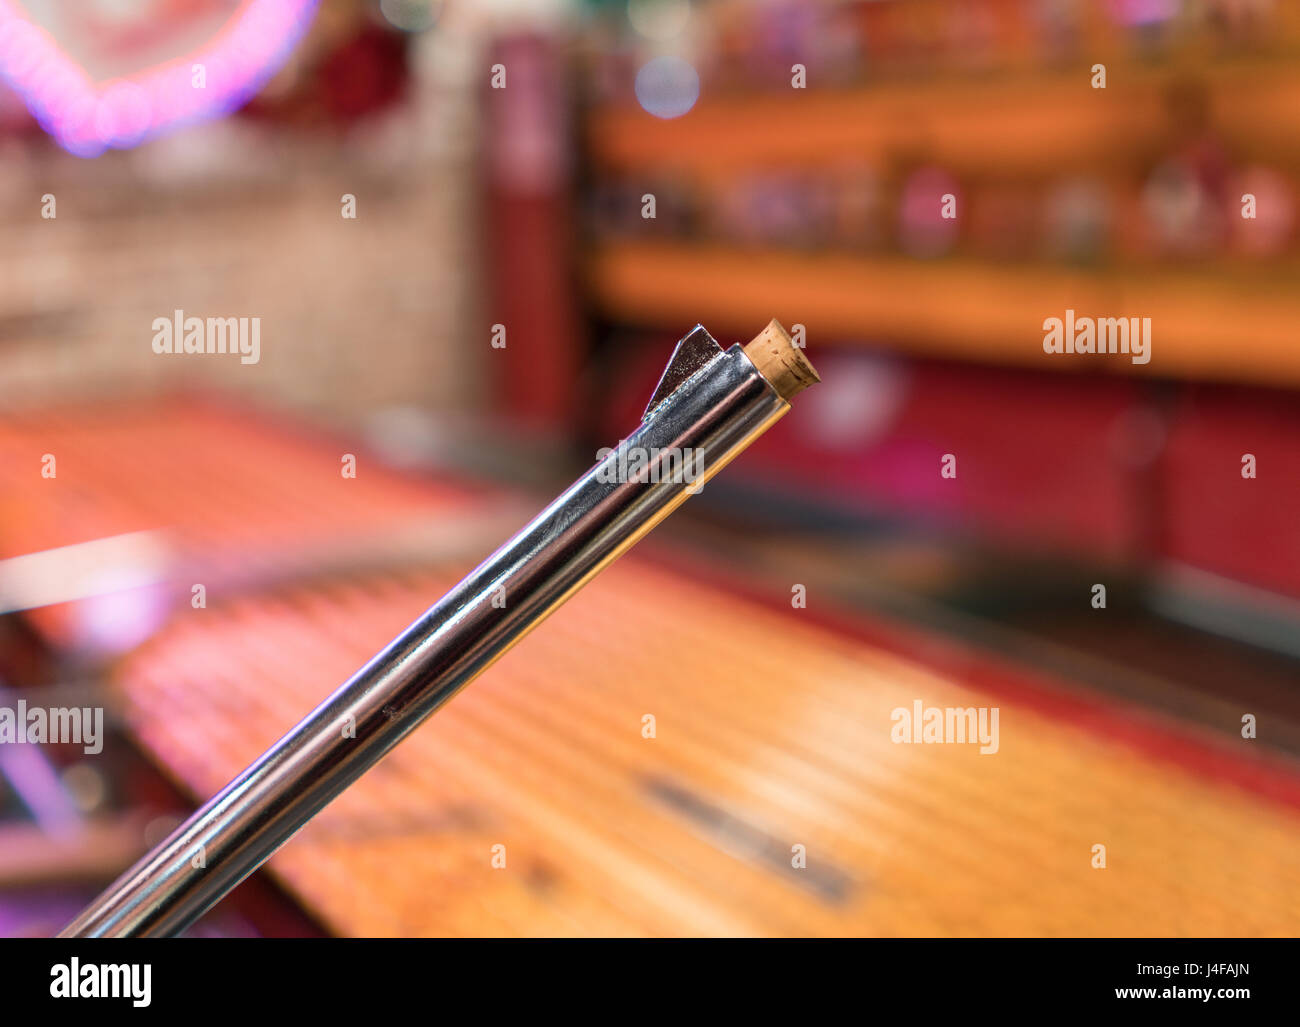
x=695, y=350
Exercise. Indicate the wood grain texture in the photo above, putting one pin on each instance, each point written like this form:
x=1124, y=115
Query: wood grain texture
x=770, y=733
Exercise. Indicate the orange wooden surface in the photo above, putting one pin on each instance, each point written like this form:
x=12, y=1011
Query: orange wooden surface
x=219, y=479
x=1204, y=326
x=770, y=733
x=1022, y=123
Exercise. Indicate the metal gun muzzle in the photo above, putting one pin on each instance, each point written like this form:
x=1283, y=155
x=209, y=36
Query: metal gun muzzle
x=710, y=404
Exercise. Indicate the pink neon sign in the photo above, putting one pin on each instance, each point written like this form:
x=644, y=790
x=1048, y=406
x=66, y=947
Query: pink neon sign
x=87, y=118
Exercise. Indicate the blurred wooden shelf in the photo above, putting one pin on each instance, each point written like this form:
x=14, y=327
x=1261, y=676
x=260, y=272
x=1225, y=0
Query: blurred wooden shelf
x=1208, y=324
x=1031, y=123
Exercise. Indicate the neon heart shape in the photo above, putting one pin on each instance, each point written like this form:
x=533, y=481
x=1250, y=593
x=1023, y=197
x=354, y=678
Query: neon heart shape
x=87, y=118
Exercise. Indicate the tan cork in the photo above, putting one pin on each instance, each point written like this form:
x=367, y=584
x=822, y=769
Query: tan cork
x=780, y=361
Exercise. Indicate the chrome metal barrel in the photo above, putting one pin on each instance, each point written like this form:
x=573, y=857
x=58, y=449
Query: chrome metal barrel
x=709, y=406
